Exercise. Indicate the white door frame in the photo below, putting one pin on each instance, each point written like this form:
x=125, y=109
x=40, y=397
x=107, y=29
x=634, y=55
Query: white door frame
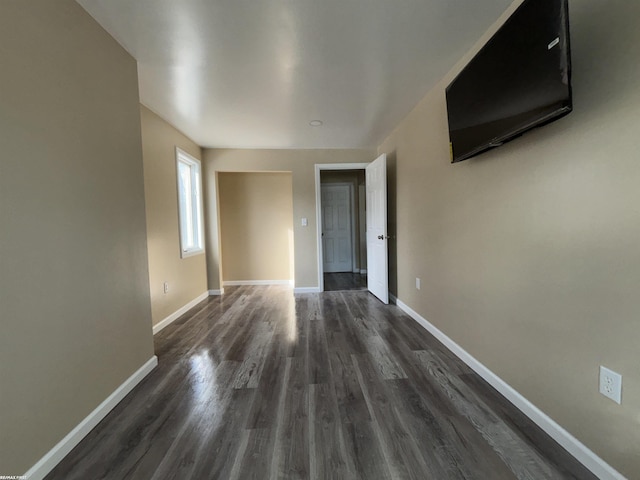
x=319, y=167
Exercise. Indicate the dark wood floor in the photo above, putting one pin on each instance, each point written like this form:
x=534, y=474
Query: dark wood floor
x=337, y=282
x=261, y=384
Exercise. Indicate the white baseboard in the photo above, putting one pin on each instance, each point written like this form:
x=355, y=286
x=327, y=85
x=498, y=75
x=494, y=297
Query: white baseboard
x=575, y=447
x=182, y=310
x=64, y=446
x=363, y=271
x=306, y=290
x=220, y=291
x=233, y=283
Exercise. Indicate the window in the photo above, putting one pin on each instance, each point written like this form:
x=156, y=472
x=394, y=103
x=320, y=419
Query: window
x=189, y=204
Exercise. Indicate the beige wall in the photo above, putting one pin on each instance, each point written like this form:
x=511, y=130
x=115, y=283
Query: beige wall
x=301, y=165
x=74, y=291
x=256, y=220
x=529, y=253
x=186, y=277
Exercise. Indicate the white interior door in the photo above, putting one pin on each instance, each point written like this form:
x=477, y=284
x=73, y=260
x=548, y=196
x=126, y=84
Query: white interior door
x=336, y=229
x=377, y=258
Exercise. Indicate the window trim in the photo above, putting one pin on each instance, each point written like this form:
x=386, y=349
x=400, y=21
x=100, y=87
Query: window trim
x=196, y=203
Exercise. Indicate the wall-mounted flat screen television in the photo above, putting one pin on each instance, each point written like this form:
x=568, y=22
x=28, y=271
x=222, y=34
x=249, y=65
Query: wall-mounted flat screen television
x=519, y=80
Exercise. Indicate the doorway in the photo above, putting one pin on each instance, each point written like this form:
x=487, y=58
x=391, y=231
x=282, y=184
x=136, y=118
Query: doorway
x=338, y=228
x=377, y=238
x=256, y=228
x=342, y=225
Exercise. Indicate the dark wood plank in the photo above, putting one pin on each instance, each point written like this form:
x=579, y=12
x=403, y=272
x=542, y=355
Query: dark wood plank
x=429, y=414
x=524, y=427
x=351, y=403
x=363, y=446
x=455, y=441
x=250, y=370
x=362, y=308
x=297, y=321
x=523, y=460
x=259, y=383
x=384, y=359
x=255, y=462
x=330, y=312
x=217, y=451
x=292, y=444
x=328, y=459
x=270, y=391
x=318, y=355
x=400, y=450
x=350, y=325
x=185, y=428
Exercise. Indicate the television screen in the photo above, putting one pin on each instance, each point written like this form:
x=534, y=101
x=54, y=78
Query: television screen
x=519, y=80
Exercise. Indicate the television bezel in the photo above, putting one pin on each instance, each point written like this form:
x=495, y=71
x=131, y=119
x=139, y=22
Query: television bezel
x=538, y=122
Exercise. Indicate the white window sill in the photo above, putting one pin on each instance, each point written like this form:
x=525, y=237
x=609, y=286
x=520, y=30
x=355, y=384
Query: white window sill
x=191, y=253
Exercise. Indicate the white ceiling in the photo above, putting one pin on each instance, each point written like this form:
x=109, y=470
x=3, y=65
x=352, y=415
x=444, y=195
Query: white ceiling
x=253, y=73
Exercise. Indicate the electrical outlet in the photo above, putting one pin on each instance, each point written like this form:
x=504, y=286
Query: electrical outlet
x=417, y=283
x=166, y=287
x=611, y=384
